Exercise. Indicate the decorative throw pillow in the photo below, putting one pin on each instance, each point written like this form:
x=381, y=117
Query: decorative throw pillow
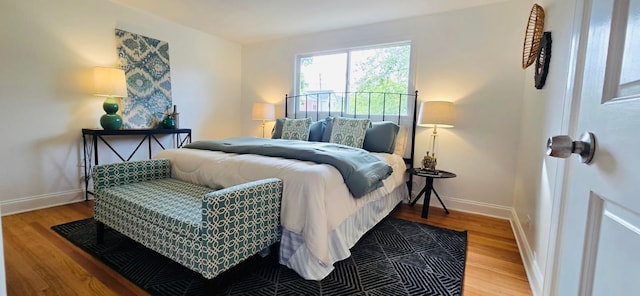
x=326, y=135
x=276, y=133
x=316, y=129
x=401, y=142
x=296, y=129
x=381, y=137
x=349, y=131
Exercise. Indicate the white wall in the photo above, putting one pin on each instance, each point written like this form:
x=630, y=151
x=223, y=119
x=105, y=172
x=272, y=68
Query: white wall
x=47, y=51
x=537, y=188
x=469, y=56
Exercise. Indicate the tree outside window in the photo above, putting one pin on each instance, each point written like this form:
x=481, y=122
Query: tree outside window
x=357, y=79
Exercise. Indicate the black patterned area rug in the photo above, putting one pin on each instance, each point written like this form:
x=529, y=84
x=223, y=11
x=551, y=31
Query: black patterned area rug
x=396, y=257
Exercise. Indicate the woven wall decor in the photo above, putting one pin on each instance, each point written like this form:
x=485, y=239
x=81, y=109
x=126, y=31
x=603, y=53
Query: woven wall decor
x=532, y=36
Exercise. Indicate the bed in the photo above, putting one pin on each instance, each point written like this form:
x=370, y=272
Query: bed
x=322, y=215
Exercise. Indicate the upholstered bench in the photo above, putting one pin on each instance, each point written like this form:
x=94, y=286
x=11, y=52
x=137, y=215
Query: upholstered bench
x=206, y=230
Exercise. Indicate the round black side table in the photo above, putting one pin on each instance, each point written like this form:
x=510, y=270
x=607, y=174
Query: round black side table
x=428, y=187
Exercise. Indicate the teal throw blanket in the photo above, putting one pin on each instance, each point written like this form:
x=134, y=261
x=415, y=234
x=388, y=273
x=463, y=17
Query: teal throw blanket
x=361, y=171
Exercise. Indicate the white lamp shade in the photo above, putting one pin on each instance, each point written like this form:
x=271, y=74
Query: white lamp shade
x=437, y=113
x=263, y=111
x=109, y=82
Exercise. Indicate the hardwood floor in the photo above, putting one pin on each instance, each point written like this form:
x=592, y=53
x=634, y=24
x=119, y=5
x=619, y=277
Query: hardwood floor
x=494, y=265
x=40, y=262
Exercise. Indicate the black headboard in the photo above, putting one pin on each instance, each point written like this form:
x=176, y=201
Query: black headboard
x=396, y=107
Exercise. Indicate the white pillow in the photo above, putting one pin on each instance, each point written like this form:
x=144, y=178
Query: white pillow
x=296, y=129
x=401, y=141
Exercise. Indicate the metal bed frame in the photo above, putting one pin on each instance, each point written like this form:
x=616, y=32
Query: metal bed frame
x=343, y=111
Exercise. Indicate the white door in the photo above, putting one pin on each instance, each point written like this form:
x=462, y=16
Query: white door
x=600, y=234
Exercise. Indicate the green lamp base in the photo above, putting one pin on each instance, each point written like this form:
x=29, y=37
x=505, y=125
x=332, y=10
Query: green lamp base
x=111, y=121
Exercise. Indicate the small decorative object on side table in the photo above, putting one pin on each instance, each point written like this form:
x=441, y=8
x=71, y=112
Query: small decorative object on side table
x=428, y=187
x=429, y=163
x=170, y=120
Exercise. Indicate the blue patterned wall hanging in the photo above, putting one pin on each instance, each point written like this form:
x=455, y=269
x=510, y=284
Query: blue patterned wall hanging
x=146, y=64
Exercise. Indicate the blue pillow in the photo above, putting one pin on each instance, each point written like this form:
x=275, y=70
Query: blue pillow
x=316, y=130
x=276, y=133
x=326, y=135
x=381, y=137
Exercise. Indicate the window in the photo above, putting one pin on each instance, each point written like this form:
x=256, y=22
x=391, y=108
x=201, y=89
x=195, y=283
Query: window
x=330, y=81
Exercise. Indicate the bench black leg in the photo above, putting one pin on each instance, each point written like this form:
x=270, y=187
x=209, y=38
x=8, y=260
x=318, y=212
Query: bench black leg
x=224, y=280
x=275, y=250
x=217, y=285
x=100, y=232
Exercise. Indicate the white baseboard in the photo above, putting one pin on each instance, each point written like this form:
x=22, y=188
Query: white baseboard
x=474, y=207
x=528, y=259
x=37, y=202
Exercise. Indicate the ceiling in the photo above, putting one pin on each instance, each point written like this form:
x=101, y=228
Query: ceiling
x=251, y=21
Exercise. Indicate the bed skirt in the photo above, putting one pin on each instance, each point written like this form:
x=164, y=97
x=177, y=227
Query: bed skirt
x=295, y=254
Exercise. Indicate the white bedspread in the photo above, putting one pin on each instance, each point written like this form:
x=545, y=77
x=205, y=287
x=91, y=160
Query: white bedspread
x=315, y=199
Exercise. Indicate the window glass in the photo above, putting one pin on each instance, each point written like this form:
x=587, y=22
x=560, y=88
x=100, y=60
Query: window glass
x=356, y=79
x=321, y=77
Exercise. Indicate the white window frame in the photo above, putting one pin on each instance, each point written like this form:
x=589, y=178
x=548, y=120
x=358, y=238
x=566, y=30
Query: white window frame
x=410, y=84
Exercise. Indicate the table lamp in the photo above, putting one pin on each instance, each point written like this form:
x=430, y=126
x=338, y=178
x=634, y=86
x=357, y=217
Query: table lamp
x=435, y=114
x=263, y=112
x=110, y=83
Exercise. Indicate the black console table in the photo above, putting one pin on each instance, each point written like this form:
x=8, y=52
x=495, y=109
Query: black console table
x=90, y=138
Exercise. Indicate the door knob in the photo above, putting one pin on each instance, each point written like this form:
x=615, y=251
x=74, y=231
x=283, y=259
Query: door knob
x=563, y=146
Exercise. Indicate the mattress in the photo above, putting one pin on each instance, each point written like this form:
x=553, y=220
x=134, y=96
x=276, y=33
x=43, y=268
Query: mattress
x=320, y=218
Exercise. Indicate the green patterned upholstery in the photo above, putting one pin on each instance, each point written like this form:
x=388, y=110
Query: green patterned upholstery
x=175, y=204
x=206, y=230
x=114, y=174
x=246, y=219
